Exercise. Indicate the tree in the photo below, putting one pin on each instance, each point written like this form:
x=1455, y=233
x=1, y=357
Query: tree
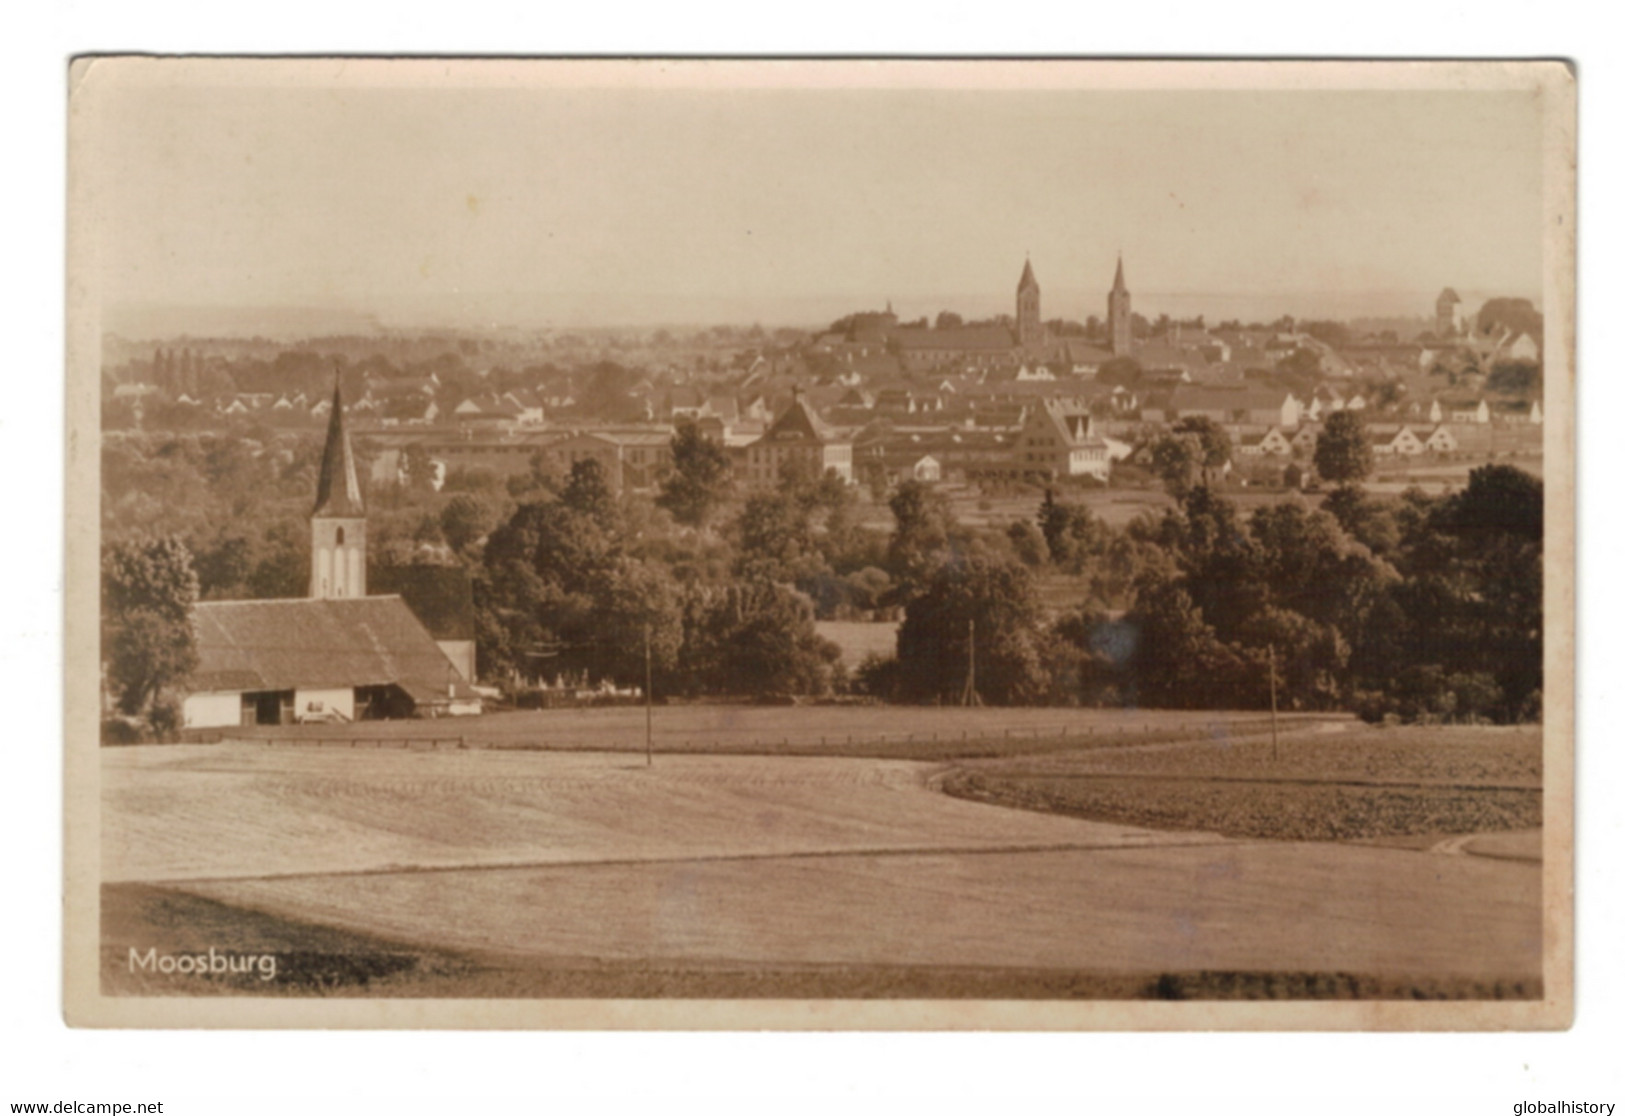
x=465, y=520
x=587, y=493
x=1514, y=377
x=775, y=541
x=1368, y=520
x=699, y=477
x=632, y=599
x=1470, y=599
x=947, y=319
x=923, y=522
x=1193, y=453
x=758, y=638
x=1343, y=452
x=1028, y=542
x=933, y=643
x=148, y=590
x=418, y=471
x=1177, y=661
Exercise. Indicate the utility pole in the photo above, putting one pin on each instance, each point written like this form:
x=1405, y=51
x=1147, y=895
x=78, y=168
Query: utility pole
x=1275, y=740
x=969, y=697
x=648, y=702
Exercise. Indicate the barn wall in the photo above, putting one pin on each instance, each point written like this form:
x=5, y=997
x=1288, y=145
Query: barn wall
x=461, y=654
x=341, y=701
x=212, y=710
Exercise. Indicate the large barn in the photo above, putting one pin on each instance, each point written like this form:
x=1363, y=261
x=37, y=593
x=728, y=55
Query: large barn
x=338, y=655
x=278, y=662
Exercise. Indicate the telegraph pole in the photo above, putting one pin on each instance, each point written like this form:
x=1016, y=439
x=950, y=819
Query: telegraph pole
x=1275, y=741
x=969, y=697
x=648, y=703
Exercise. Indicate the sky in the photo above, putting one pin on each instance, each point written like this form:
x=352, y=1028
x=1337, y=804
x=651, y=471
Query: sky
x=507, y=203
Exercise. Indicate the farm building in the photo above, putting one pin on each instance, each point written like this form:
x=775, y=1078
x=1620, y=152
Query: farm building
x=442, y=598
x=340, y=655
x=339, y=659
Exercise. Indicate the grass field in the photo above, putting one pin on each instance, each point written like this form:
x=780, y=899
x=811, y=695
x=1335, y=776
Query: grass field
x=857, y=641
x=871, y=731
x=1356, y=784
x=518, y=872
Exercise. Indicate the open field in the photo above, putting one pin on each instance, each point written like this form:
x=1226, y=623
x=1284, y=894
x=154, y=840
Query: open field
x=324, y=960
x=859, y=640
x=1353, y=784
x=528, y=873
x=874, y=731
x=191, y=813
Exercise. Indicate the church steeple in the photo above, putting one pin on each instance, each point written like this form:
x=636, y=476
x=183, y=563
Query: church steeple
x=1029, y=320
x=338, y=523
x=1119, y=316
x=338, y=492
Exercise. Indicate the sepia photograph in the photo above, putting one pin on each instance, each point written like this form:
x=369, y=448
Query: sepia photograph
x=866, y=544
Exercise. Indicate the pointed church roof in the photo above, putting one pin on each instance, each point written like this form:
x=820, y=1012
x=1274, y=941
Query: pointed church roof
x=338, y=491
x=1028, y=279
x=1118, y=286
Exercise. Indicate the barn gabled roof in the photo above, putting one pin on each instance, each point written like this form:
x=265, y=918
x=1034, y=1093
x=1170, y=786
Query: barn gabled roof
x=317, y=644
x=441, y=597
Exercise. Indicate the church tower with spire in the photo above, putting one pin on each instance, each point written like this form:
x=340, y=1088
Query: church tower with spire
x=1029, y=321
x=338, y=524
x=1119, y=318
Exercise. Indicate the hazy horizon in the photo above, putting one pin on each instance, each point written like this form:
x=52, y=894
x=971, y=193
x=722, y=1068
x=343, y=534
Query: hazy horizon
x=569, y=206
x=577, y=312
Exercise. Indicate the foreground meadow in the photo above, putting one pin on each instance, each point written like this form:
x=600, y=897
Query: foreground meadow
x=513, y=871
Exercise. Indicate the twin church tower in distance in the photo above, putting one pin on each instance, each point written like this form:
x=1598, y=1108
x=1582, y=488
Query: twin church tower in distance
x=1030, y=320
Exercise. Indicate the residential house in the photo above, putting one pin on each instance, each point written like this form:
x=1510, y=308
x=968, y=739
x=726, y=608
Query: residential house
x=1389, y=440
x=798, y=435
x=1057, y=442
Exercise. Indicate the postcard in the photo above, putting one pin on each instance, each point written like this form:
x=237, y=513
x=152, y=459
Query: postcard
x=820, y=544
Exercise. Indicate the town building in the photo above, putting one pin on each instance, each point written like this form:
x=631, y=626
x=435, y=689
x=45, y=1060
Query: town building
x=1056, y=442
x=798, y=435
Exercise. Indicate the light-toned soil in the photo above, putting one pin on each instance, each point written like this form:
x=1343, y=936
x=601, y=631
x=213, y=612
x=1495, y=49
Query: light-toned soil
x=479, y=870
x=1210, y=906
x=199, y=812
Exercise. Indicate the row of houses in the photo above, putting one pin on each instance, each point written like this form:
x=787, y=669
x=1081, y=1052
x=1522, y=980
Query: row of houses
x=1387, y=439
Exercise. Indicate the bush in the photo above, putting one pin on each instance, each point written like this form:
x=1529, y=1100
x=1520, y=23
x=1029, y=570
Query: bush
x=165, y=718
x=877, y=677
x=124, y=730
